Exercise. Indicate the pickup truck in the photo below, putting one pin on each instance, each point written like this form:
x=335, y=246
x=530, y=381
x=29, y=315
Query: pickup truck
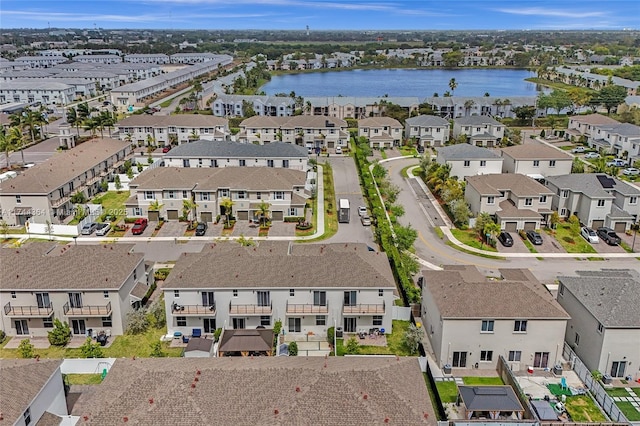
x=609, y=236
x=139, y=226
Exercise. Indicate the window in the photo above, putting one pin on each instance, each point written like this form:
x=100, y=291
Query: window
x=600, y=203
x=105, y=294
x=487, y=326
x=292, y=292
x=242, y=195
x=563, y=212
x=27, y=417
x=106, y=321
x=377, y=320
x=520, y=326
x=259, y=195
x=536, y=163
x=486, y=355
x=185, y=162
x=483, y=163
x=515, y=355
x=18, y=199
x=552, y=163
x=269, y=163
x=321, y=320
x=171, y=195
x=278, y=195
x=224, y=193
x=319, y=298
x=600, y=328
x=565, y=194
x=242, y=163
x=204, y=196
x=285, y=164
x=265, y=320
x=214, y=163
x=185, y=194
x=380, y=293
x=13, y=295
x=543, y=198
x=491, y=200
x=235, y=293
x=577, y=339
x=176, y=294
x=148, y=195
x=47, y=322
x=467, y=163
x=528, y=201
x=633, y=200
x=181, y=321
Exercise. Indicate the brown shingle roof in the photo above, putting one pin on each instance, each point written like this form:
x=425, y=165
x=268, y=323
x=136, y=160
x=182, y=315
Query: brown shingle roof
x=270, y=266
x=459, y=295
x=244, y=178
x=62, y=167
x=50, y=266
x=177, y=120
x=509, y=211
x=21, y=380
x=260, y=391
x=199, y=344
x=379, y=122
x=594, y=119
x=298, y=121
x=246, y=340
x=49, y=419
x=535, y=151
x=518, y=184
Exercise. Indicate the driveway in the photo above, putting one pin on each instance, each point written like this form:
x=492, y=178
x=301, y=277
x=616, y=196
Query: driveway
x=603, y=247
x=147, y=232
x=517, y=247
x=172, y=229
x=549, y=244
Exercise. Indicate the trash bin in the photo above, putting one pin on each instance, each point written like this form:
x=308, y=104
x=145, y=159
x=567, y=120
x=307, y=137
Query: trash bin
x=446, y=369
x=557, y=370
x=339, y=332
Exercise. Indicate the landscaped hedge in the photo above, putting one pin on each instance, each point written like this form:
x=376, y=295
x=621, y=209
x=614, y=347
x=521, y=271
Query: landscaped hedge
x=290, y=219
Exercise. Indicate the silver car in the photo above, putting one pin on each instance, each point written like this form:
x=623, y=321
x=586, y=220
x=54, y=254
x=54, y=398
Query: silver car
x=589, y=235
x=103, y=229
x=89, y=228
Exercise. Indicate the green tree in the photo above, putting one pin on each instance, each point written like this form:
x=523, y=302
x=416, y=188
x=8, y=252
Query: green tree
x=227, y=205
x=118, y=183
x=525, y=113
x=560, y=100
x=137, y=321
x=577, y=166
x=352, y=347
x=610, y=97
x=405, y=236
x=378, y=171
x=155, y=206
x=74, y=119
x=26, y=349
x=460, y=211
x=574, y=225
x=554, y=219
x=16, y=138
x=156, y=314
x=263, y=213
x=189, y=209
x=91, y=350
x=452, y=189
x=156, y=350
x=453, y=85
x=60, y=335
x=452, y=59
x=6, y=144
x=491, y=229
x=413, y=338
x=481, y=221
x=293, y=349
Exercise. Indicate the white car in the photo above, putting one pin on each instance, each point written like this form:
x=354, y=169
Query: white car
x=590, y=235
x=362, y=211
x=590, y=155
x=338, y=150
x=616, y=162
x=578, y=150
x=631, y=171
x=103, y=229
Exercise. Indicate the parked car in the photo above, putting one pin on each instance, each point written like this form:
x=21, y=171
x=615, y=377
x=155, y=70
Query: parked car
x=589, y=235
x=616, y=162
x=166, y=149
x=338, y=150
x=505, y=238
x=139, y=226
x=89, y=228
x=420, y=149
x=578, y=150
x=534, y=237
x=631, y=171
x=609, y=236
x=366, y=220
x=591, y=155
x=201, y=229
x=103, y=229
x=362, y=211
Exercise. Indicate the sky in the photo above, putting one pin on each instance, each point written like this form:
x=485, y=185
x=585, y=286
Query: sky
x=323, y=14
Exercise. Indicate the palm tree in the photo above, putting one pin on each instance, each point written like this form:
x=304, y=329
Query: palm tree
x=189, y=209
x=453, y=85
x=227, y=205
x=263, y=213
x=197, y=90
x=491, y=229
x=6, y=144
x=17, y=138
x=468, y=104
x=106, y=120
x=155, y=206
x=31, y=120
x=84, y=111
x=74, y=119
x=92, y=125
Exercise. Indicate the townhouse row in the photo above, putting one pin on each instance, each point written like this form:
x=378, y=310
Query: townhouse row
x=604, y=133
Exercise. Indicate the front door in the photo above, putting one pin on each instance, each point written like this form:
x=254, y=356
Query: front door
x=209, y=325
x=78, y=327
x=295, y=325
x=460, y=359
x=22, y=327
x=617, y=368
x=350, y=325
x=238, y=323
x=541, y=360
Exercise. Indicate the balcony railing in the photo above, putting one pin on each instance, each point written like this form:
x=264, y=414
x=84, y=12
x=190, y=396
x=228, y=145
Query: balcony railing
x=28, y=311
x=185, y=310
x=87, y=311
x=249, y=309
x=364, y=309
x=307, y=308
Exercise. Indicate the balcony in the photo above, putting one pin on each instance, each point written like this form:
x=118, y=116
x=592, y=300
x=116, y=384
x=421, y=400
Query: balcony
x=195, y=310
x=28, y=311
x=364, y=309
x=249, y=309
x=306, y=308
x=87, y=311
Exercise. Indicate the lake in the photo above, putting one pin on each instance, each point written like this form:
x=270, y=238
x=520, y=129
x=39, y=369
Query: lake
x=405, y=82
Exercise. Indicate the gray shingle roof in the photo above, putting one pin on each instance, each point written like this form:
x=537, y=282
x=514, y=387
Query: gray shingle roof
x=611, y=296
x=260, y=391
x=590, y=185
x=490, y=398
x=520, y=185
x=535, y=151
x=476, y=120
x=22, y=380
x=465, y=151
x=270, y=266
x=465, y=293
x=379, y=122
x=594, y=119
x=50, y=266
x=623, y=129
x=427, y=120
x=177, y=120
x=213, y=149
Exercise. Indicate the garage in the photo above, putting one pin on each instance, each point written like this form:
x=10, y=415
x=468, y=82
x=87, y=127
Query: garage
x=243, y=215
x=206, y=216
x=172, y=215
x=597, y=224
x=511, y=226
x=331, y=144
x=530, y=226
x=154, y=216
x=620, y=227
x=277, y=216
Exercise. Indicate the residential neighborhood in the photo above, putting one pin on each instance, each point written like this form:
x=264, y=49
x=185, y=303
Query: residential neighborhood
x=318, y=226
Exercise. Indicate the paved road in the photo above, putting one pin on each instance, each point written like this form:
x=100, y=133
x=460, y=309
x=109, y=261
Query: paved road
x=36, y=154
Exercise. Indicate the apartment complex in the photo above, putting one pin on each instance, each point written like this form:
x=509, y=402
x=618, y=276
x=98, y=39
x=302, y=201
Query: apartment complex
x=307, y=131
x=165, y=130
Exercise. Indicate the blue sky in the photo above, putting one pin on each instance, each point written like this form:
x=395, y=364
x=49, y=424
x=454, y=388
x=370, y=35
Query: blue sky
x=323, y=14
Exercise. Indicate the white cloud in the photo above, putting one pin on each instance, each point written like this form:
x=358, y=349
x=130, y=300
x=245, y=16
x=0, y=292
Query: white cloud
x=536, y=11
x=164, y=17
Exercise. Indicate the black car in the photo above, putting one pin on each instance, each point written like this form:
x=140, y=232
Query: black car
x=609, y=236
x=420, y=149
x=505, y=238
x=201, y=228
x=534, y=237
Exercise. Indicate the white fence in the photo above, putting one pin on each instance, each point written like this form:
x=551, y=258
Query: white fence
x=93, y=213
x=401, y=313
x=86, y=366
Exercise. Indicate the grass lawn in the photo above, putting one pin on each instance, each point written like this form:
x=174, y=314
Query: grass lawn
x=113, y=203
x=471, y=238
x=395, y=343
x=404, y=172
x=408, y=151
x=331, y=216
x=630, y=412
x=84, y=379
x=529, y=246
x=488, y=256
x=482, y=381
x=448, y=391
x=570, y=242
x=582, y=409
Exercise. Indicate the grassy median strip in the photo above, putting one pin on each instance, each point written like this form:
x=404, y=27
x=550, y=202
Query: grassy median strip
x=488, y=256
x=470, y=237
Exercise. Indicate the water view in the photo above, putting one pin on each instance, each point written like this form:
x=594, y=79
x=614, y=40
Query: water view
x=405, y=82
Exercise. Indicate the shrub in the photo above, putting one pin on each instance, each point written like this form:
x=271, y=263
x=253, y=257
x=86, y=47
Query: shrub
x=331, y=331
x=25, y=349
x=277, y=328
x=138, y=322
x=293, y=349
x=156, y=314
x=3, y=336
x=352, y=347
x=412, y=338
x=91, y=350
x=216, y=334
x=61, y=333
x=290, y=219
x=156, y=350
x=130, y=219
